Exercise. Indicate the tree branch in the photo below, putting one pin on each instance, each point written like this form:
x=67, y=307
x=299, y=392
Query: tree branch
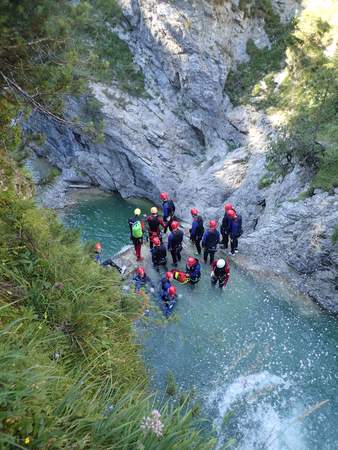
x=30, y=99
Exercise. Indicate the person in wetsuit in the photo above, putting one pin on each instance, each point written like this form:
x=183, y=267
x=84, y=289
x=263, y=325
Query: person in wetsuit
x=155, y=222
x=158, y=253
x=168, y=209
x=193, y=270
x=196, y=230
x=175, y=240
x=210, y=241
x=220, y=272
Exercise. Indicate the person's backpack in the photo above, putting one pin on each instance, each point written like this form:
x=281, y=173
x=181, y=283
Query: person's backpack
x=136, y=230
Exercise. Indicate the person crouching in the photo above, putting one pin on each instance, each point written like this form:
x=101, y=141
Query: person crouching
x=193, y=270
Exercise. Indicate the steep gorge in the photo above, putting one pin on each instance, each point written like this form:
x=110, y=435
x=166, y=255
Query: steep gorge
x=184, y=136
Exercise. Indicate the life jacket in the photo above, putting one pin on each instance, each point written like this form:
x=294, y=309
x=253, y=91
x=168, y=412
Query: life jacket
x=180, y=276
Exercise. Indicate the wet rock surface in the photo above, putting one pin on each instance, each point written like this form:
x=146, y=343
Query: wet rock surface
x=186, y=138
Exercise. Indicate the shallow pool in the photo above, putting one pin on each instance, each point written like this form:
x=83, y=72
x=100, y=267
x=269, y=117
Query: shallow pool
x=268, y=358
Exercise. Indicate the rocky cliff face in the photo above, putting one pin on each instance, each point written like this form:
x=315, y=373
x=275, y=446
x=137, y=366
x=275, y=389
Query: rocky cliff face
x=185, y=137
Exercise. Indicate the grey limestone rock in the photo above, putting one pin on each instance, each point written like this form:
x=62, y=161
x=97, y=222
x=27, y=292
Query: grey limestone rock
x=185, y=137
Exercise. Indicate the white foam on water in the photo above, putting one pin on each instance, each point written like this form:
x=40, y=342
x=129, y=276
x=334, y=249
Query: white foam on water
x=243, y=386
x=265, y=428
x=260, y=424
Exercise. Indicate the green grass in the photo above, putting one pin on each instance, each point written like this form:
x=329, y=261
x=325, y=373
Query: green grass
x=70, y=372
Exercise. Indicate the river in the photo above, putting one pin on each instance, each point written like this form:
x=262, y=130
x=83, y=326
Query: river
x=267, y=357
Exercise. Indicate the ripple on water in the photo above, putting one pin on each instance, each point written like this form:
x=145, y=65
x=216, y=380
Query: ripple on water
x=267, y=357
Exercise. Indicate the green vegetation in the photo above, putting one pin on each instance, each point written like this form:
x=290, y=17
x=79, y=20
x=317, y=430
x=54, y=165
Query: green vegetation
x=171, y=388
x=264, y=182
x=303, y=95
x=70, y=373
x=51, y=52
x=48, y=179
x=335, y=235
x=241, y=83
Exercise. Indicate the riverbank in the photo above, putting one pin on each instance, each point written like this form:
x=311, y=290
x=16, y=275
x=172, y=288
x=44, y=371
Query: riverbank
x=70, y=369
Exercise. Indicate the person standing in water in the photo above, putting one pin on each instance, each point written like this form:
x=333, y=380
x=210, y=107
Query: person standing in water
x=193, y=270
x=220, y=272
x=142, y=281
x=225, y=230
x=165, y=284
x=235, y=230
x=196, y=230
x=136, y=226
x=210, y=241
x=175, y=240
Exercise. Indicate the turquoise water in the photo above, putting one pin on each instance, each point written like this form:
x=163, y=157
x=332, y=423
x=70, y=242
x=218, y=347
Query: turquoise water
x=267, y=357
x=103, y=219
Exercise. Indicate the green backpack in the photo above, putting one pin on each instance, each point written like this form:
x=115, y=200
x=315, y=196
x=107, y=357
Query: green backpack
x=136, y=230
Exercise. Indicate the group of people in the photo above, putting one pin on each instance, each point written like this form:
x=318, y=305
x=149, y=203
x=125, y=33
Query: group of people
x=155, y=226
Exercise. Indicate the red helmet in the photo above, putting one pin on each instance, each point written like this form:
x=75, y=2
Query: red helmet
x=140, y=271
x=169, y=275
x=98, y=246
x=156, y=241
x=175, y=225
x=213, y=224
x=164, y=196
x=191, y=261
x=231, y=213
x=228, y=206
x=172, y=291
x=194, y=211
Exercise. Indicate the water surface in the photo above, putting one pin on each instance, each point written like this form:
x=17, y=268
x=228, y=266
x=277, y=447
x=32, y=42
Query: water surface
x=268, y=358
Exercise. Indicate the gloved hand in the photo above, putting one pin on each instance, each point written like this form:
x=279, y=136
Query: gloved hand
x=212, y=274
x=152, y=290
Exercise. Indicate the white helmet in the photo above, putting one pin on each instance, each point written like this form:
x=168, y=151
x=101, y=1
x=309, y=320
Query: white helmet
x=220, y=263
